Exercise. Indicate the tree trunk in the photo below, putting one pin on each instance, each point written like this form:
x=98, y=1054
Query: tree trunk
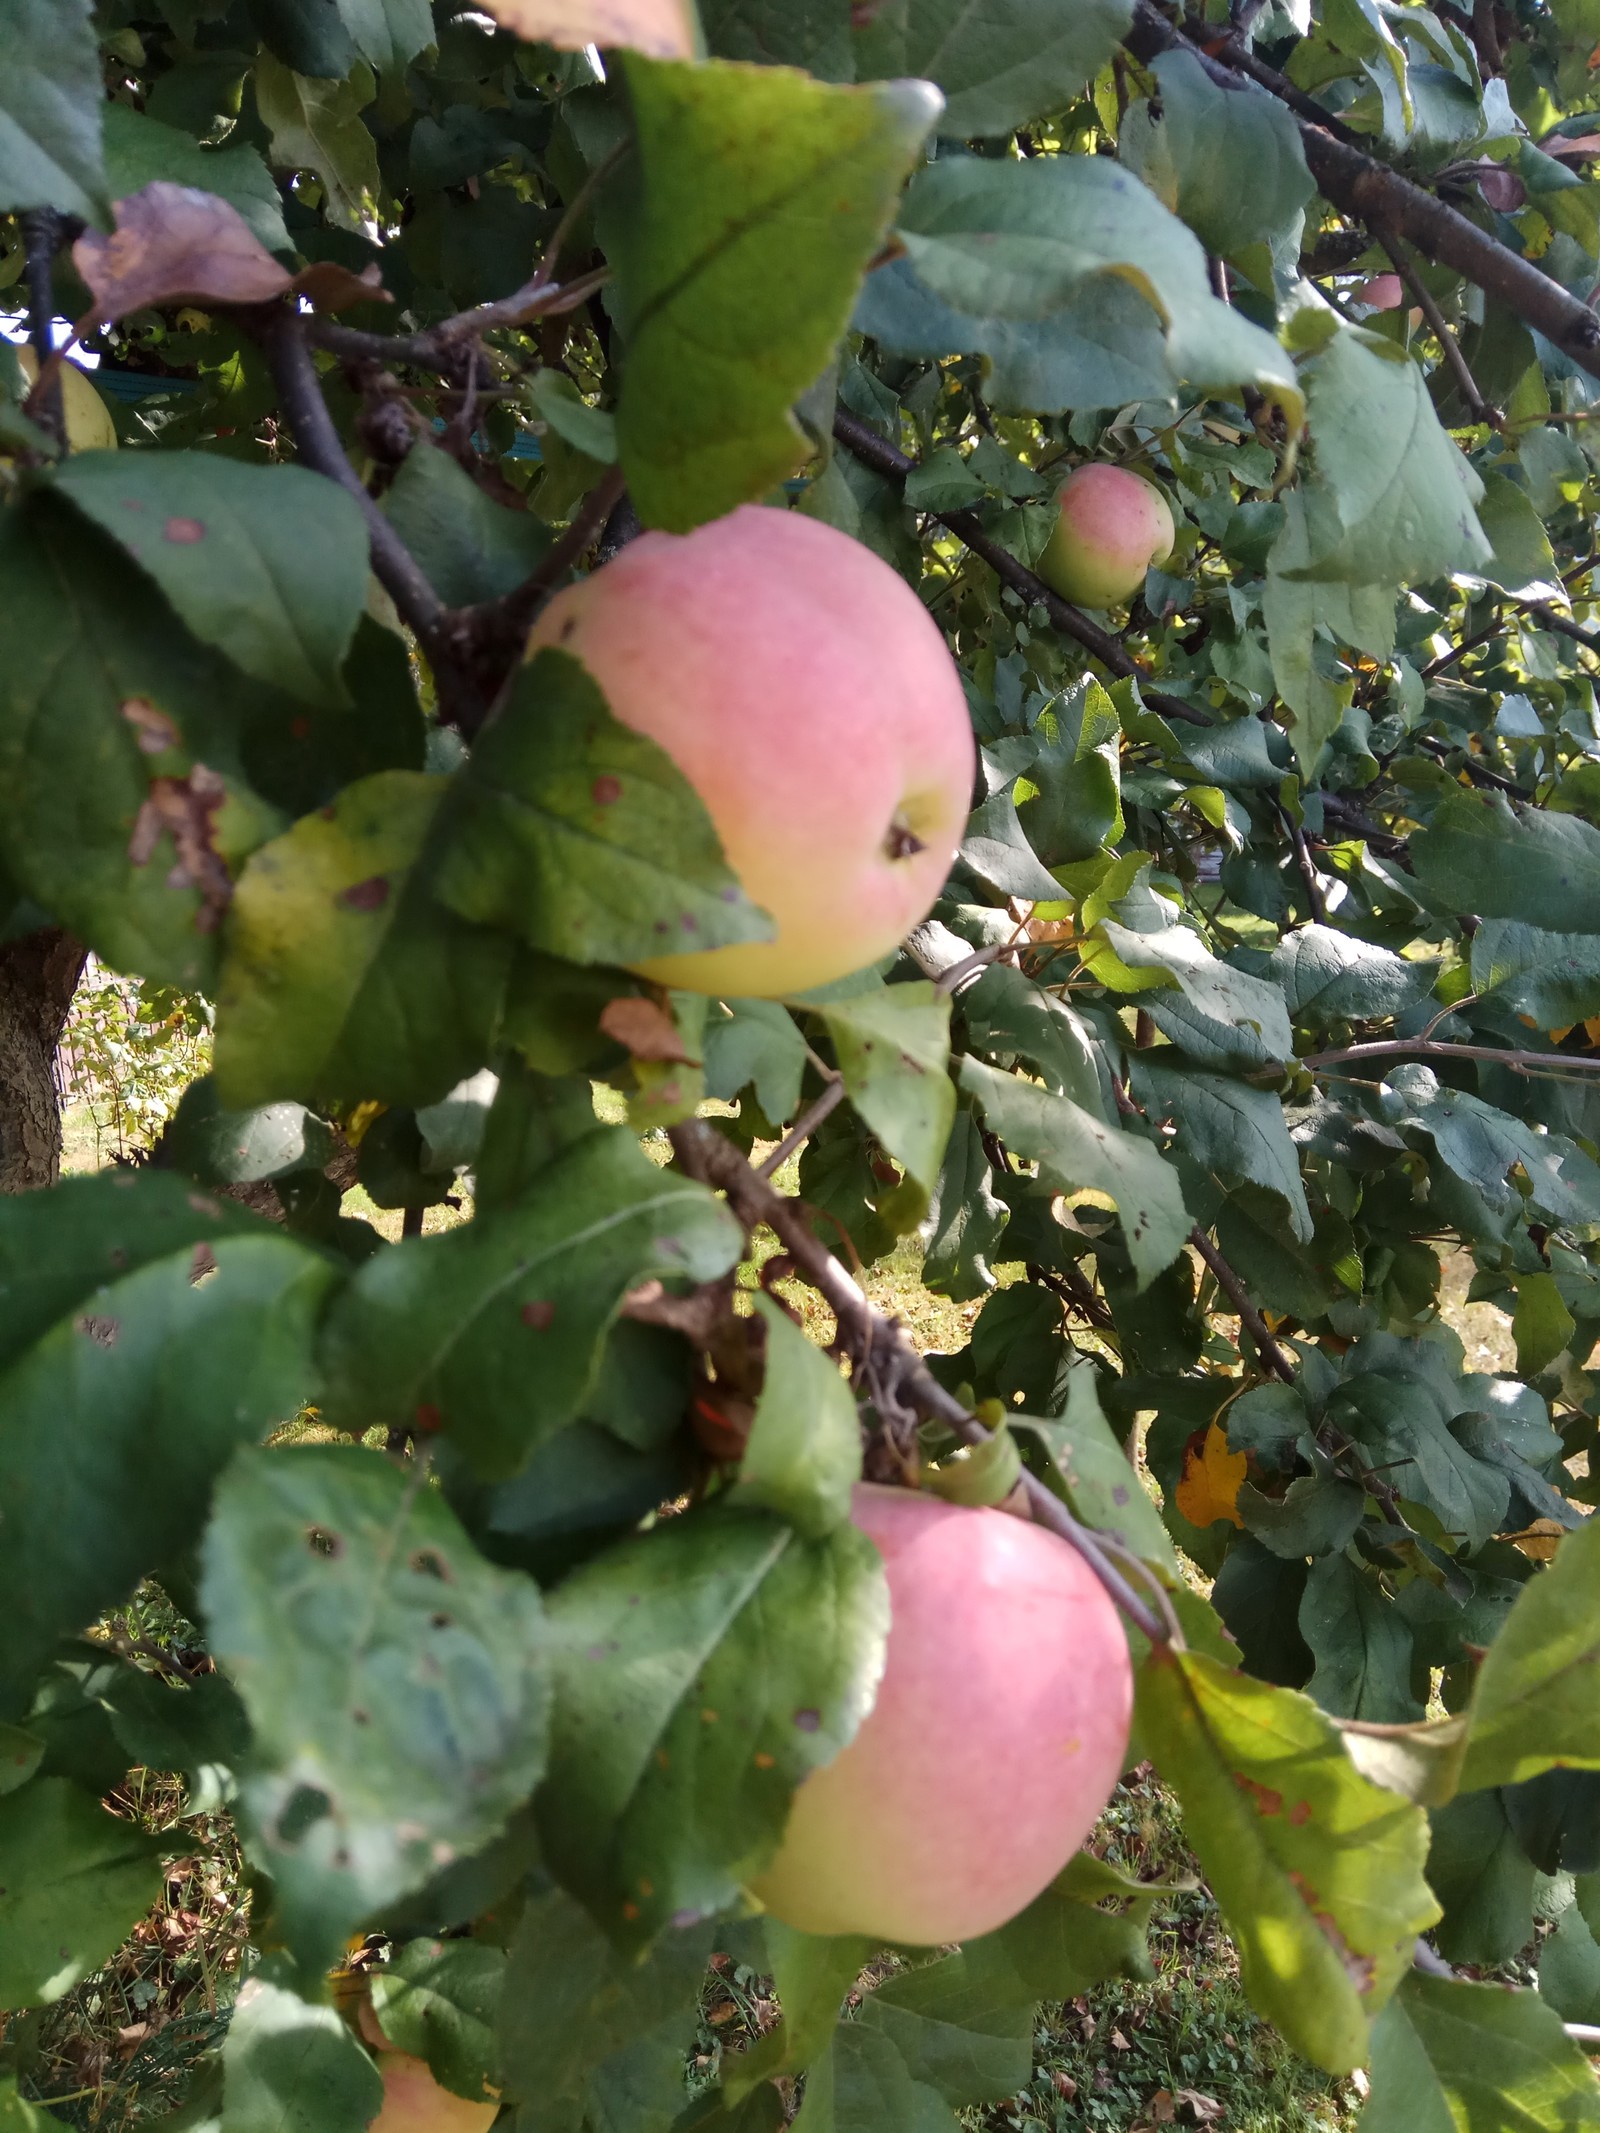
x=38, y=976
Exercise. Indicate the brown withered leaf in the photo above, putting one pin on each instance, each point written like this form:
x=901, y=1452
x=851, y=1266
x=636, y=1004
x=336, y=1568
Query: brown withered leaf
x=660, y=28
x=186, y=807
x=326, y=286
x=174, y=244
x=644, y=1029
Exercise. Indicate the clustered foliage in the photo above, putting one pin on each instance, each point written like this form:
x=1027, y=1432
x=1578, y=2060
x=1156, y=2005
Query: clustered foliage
x=1268, y=977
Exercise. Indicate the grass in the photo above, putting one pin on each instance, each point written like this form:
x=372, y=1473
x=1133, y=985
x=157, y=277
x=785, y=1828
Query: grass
x=1183, y=2048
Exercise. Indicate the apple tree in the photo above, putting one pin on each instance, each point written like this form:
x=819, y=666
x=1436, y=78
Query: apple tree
x=1251, y=999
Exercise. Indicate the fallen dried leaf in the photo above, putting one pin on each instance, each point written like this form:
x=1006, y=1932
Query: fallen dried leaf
x=1202, y=2109
x=1163, y=2107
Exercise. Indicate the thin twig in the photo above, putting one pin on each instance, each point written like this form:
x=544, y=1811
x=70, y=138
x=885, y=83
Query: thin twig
x=1438, y=1048
x=1302, y=859
x=1422, y=296
x=282, y=335
x=956, y=976
x=1272, y=1354
x=443, y=347
x=803, y=1128
x=884, y=458
x=877, y=1342
x=1495, y=627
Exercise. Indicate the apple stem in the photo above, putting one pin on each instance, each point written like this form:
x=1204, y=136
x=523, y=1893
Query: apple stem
x=876, y=1343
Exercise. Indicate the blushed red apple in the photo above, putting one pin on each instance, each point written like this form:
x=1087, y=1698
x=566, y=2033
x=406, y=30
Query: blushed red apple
x=809, y=698
x=999, y=1731
x=413, y=2102
x=1112, y=526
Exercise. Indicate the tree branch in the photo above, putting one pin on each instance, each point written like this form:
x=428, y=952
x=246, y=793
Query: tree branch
x=45, y=404
x=888, y=460
x=1449, y=346
x=1275, y=1357
x=873, y=1339
x=1438, y=1048
x=1370, y=192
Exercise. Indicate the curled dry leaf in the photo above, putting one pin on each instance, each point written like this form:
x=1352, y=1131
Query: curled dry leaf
x=174, y=244
x=662, y=28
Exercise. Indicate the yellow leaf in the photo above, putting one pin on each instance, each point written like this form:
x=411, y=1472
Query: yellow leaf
x=1209, y=1489
x=664, y=29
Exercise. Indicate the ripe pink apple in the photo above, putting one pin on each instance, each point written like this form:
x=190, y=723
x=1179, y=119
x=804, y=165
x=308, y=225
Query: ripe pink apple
x=807, y=695
x=413, y=2102
x=1113, y=526
x=1000, y=1728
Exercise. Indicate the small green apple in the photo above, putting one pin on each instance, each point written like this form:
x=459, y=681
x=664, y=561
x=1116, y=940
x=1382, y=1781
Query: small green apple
x=1112, y=526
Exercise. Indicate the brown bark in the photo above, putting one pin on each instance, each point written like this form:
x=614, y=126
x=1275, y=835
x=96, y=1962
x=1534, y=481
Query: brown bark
x=38, y=976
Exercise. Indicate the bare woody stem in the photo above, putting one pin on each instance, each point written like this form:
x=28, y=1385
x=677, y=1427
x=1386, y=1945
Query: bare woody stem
x=869, y=1336
x=1439, y=1048
x=1449, y=346
x=888, y=460
x=1272, y=1354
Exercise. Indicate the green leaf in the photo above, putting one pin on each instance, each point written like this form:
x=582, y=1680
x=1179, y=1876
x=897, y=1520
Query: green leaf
x=140, y=149
x=269, y=564
x=1554, y=978
x=1541, y=1324
x=343, y=978
x=1067, y=1940
x=812, y=1974
x=814, y=34
x=73, y=1881
x=1483, y=1878
x=316, y=125
x=583, y=837
x=20, y=1753
x=102, y=670
x=1020, y=240
x=1099, y=1480
x=1316, y=1515
x=1453, y=2057
x=966, y=1218
x=1328, y=976
x=17, y=2115
x=1483, y=1145
x=1103, y=348
x=1012, y=61
x=751, y=1655
x=1522, y=564
x=1392, y=499
x=1229, y=1128
x=219, y=1147
x=952, y=2039
x=1358, y=1637
x=1190, y=143
x=1009, y=1016
x=438, y=2000
x=1535, y=1706
x=492, y=1332
x=752, y=206
x=389, y=33
x=1236, y=1020
x=864, y=2086
x=1569, y=1969
x=755, y=1044
x=1318, y=1872
x=893, y=1049
x=398, y=1684
x=804, y=1452
x=469, y=547
x=572, y=2006
x=126, y=1387
x=51, y=100
x=1484, y=856
x=587, y=429
x=1076, y=1151
x=291, y=2067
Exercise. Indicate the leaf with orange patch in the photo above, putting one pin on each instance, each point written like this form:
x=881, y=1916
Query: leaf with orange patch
x=1319, y=1872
